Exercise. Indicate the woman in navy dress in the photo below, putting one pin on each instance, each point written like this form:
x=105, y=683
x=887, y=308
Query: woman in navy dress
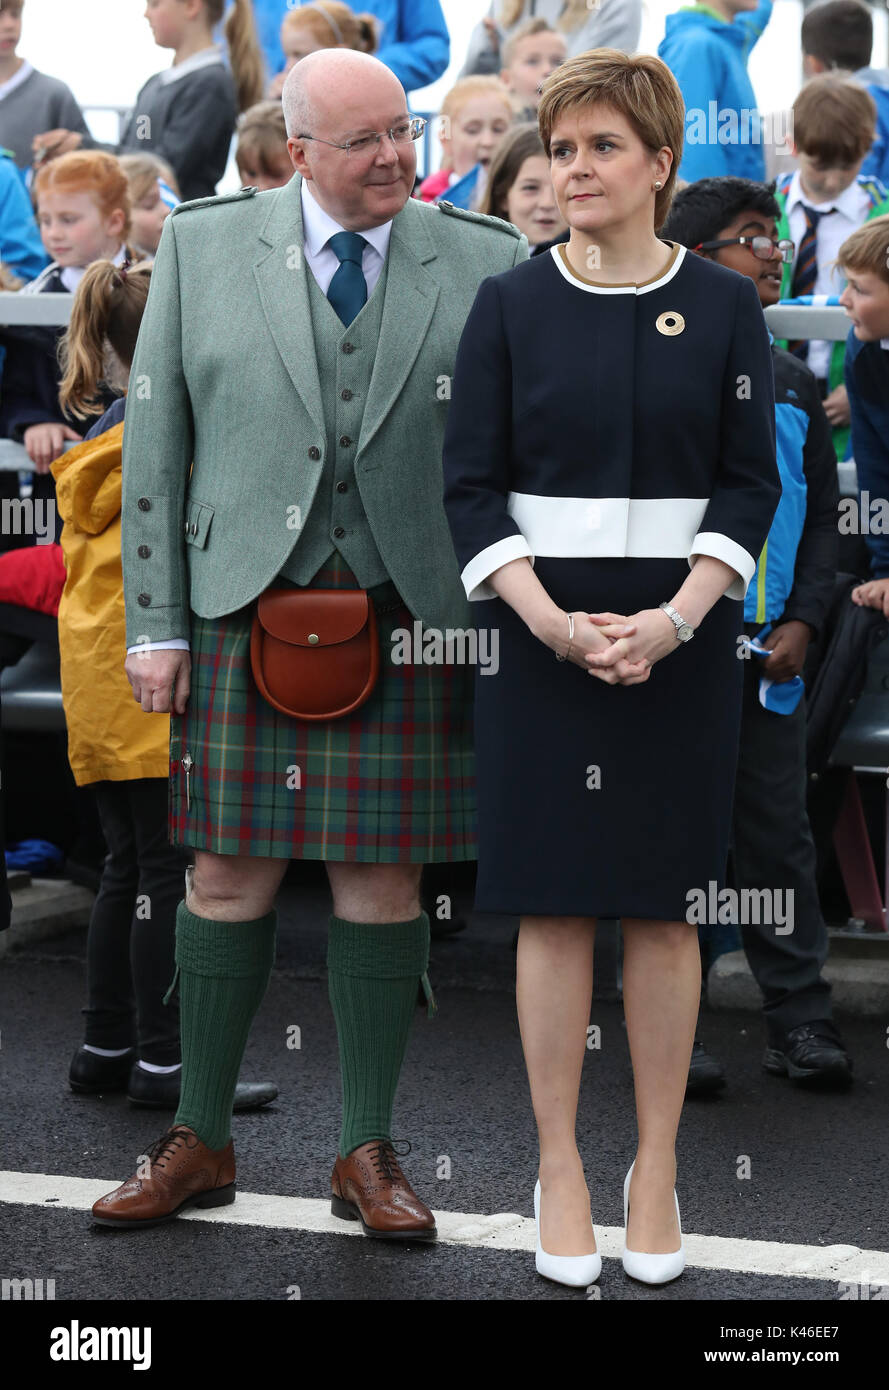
x=610, y=448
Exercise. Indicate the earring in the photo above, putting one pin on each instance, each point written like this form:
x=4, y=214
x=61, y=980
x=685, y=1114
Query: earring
x=657, y=184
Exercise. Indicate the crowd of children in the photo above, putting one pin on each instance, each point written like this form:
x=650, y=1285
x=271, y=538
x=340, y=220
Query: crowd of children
x=80, y=217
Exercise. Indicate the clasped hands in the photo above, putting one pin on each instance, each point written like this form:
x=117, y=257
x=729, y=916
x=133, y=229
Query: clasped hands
x=618, y=649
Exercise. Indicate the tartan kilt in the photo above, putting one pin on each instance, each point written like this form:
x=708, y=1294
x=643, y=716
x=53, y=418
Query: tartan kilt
x=392, y=783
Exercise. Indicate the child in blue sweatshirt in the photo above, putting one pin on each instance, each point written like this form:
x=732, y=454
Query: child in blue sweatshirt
x=707, y=48
x=734, y=221
x=863, y=260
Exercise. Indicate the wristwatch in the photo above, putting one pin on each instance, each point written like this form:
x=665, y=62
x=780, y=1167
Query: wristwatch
x=684, y=631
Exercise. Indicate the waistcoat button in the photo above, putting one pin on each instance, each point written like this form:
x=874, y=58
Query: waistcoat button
x=339, y=532
x=346, y=394
x=143, y=504
x=144, y=600
x=314, y=452
x=342, y=487
x=144, y=551
x=345, y=441
x=348, y=347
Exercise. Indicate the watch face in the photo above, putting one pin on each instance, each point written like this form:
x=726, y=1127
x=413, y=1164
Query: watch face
x=685, y=633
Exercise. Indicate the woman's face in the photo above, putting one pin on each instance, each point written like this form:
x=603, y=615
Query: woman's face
x=475, y=132
x=531, y=203
x=602, y=173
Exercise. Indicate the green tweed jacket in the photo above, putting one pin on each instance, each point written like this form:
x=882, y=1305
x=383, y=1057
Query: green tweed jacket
x=225, y=433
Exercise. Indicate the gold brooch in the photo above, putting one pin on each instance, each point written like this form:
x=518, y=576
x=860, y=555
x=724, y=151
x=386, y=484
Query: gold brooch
x=670, y=323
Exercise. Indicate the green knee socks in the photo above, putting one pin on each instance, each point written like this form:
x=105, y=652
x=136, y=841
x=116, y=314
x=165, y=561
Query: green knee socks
x=223, y=970
x=373, y=970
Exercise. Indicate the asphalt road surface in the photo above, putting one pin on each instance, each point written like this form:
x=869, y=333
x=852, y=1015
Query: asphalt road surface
x=782, y=1192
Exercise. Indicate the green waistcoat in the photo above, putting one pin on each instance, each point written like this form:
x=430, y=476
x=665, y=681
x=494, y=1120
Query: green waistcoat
x=345, y=358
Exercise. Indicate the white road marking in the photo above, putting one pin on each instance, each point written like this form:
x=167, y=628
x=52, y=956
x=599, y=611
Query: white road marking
x=501, y=1231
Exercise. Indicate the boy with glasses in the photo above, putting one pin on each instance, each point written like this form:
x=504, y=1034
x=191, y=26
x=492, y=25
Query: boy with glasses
x=735, y=222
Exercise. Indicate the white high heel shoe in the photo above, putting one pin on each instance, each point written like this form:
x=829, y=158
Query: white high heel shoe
x=651, y=1269
x=576, y=1270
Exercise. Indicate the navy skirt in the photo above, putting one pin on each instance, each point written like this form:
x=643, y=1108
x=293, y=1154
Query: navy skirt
x=599, y=800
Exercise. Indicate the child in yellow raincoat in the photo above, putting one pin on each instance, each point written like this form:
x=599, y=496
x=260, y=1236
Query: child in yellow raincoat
x=131, y=1037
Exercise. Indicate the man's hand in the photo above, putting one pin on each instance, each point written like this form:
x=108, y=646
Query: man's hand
x=873, y=594
x=45, y=442
x=836, y=407
x=155, y=674
x=788, y=644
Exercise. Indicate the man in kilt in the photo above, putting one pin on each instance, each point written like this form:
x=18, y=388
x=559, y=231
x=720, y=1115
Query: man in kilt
x=284, y=427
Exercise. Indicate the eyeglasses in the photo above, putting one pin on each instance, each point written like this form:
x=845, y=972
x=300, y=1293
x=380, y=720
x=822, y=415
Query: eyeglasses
x=762, y=247
x=401, y=134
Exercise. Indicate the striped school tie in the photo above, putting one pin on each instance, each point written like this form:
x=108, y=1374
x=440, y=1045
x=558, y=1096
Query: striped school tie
x=806, y=272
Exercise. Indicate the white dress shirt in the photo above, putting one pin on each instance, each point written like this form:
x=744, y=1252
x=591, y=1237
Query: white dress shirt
x=852, y=207
x=322, y=260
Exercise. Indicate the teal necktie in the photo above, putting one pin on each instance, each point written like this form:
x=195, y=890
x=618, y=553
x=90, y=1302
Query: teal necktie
x=348, y=288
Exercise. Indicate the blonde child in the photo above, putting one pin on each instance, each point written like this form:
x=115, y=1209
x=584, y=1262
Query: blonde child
x=112, y=747
x=187, y=113
x=475, y=115
x=153, y=195
x=261, y=156
x=530, y=54
x=323, y=24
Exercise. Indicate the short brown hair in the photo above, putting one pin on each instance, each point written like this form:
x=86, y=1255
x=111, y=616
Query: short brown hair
x=262, y=135
x=641, y=87
x=834, y=120
x=839, y=34
x=867, y=249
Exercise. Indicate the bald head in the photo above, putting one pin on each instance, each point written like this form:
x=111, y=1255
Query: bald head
x=334, y=84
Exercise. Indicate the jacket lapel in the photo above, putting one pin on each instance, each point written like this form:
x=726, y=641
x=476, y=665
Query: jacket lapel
x=411, y=297
x=280, y=274
x=408, y=306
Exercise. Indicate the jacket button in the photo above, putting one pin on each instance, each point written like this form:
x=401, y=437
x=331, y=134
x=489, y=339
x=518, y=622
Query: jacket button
x=346, y=394
x=144, y=551
x=143, y=504
x=144, y=600
x=345, y=441
x=348, y=347
x=314, y=452
x=339, y=531
x=342, y=487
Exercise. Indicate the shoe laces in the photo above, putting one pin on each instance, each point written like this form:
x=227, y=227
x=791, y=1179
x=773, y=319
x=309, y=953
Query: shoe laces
x=384, y=1158
x=165, y=1147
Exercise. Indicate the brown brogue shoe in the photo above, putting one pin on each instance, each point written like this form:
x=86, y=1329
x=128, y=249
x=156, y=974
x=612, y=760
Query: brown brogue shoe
x=370, y=1187
x=181, y=1172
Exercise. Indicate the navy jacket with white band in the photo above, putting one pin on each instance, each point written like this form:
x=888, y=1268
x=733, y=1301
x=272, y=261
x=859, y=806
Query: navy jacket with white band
x=611, y=421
